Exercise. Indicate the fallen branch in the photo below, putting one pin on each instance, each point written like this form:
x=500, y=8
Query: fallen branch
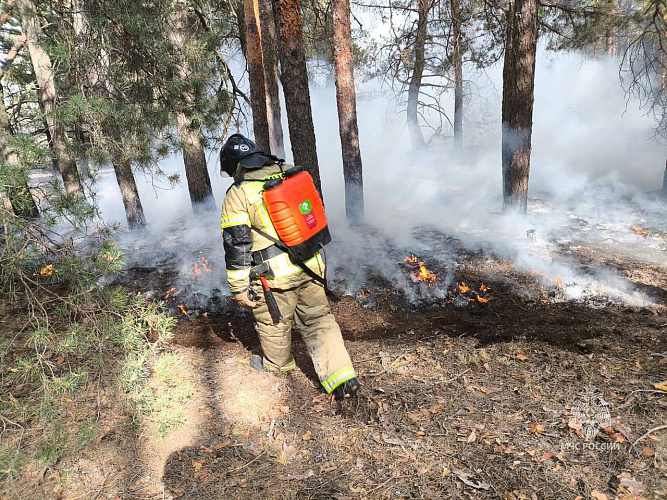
x=382, y=372
x=246, y=465
x=449, y=381
x=648, y=433
x=651, y=391
x=382, y=484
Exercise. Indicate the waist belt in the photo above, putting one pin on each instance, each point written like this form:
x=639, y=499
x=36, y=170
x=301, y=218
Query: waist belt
x=267, y=253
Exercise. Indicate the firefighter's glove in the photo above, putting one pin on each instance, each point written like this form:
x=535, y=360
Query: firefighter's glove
x=243, y=299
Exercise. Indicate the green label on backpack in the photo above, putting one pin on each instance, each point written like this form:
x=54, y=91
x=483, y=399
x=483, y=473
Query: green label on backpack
x=305, y=207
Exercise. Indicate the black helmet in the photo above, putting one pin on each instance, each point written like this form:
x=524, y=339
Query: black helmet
x=240, y=150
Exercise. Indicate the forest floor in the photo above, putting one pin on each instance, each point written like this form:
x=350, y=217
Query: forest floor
x=466, y=393
x=459, y=399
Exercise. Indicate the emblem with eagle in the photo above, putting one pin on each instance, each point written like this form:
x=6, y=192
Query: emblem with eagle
x=592, y=412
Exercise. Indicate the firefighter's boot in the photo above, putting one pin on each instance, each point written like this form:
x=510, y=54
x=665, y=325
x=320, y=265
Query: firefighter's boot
x=346, y=389
x=257, y=362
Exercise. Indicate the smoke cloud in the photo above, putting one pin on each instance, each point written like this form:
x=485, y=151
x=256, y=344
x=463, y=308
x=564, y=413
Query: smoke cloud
x=593, y=161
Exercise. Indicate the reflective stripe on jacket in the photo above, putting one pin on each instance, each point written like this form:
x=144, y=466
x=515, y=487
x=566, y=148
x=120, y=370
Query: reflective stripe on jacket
x=242, y=208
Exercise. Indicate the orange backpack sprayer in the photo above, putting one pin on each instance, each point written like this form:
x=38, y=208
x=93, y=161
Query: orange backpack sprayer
x=297, y=213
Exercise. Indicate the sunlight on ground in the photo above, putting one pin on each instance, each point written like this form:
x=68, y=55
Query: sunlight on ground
x=249, y=398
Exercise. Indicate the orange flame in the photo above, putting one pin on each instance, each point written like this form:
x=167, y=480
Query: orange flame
x=168, y=294
x=425, y=275
x=463, y=288
x=47, y=270
x=412, y=259
x=197, y=270
x=484, y=288
x=180, y=306
x=640, y=231
x=205, y=265
x=482, y=299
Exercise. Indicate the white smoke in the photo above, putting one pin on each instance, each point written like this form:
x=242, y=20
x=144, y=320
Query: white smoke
x=593, y=158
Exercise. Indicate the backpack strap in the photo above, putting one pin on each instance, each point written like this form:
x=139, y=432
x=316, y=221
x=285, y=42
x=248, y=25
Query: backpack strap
x=329, y=293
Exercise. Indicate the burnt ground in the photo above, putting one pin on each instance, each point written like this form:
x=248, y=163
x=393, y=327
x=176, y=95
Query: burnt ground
x=457, y=402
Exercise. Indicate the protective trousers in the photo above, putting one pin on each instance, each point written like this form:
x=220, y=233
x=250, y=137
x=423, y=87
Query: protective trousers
x=306, y=304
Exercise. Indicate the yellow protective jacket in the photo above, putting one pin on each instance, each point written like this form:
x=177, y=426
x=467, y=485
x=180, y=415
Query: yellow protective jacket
x=243, y=208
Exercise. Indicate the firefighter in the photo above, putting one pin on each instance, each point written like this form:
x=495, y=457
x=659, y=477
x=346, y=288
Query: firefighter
x=299, y=297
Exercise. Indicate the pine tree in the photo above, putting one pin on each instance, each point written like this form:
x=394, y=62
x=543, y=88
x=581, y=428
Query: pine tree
x=294, y=78
x=255, y=61
x=518, y=98
x=346, y=101
x=45, y=74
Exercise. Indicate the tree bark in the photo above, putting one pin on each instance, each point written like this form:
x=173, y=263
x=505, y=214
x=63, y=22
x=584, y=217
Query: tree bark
x=19, y=196
x=192, y=142
x=518, y=98
x=664, y=181
x=416, y=79
x=41, y=63
x=458, y=75
x=196, y=170
x=294, y=78
x=271, y=75
x=610, y=28
x=134, y=212
x=346, y=101
x=255, y=61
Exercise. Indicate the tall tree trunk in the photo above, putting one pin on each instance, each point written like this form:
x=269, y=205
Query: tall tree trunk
x=19, y=196
x=192, y=142
x=664, y=181
x=41, y=63
x=271, y=75
x=346, y=100
x=294, y=77
x=134, y=212
x=458, y=75
x=610, y=27
x=518, y=98
x=416, y=79
x=255, y=60
x=196, y=170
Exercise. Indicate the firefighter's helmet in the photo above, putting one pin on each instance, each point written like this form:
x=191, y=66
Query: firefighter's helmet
x=240, y=150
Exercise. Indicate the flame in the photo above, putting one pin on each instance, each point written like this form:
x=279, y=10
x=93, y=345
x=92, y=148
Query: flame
x=180, y=306
x=482, y=299
x=198, y=268
x=463, y=288
x=425, y=275
x=640, y=231
x=484, y=288
x=47, y=270
x=559, y=283
x=364, y=292
x=168, y=294
x=412, y=259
